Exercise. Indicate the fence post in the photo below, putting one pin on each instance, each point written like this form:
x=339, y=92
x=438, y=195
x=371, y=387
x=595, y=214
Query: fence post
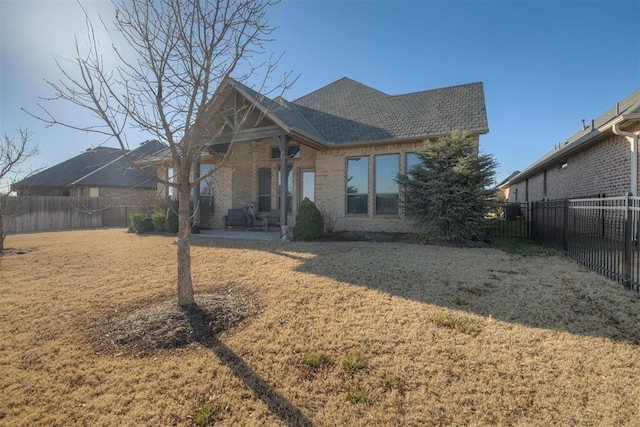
x=628, y=243
x=532, y=219
x=565, y=226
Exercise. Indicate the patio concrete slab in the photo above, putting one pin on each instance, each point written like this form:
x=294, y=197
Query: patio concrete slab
x=238, y=234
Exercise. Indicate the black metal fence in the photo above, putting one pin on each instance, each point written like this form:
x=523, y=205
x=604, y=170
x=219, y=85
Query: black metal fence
x=601, y=233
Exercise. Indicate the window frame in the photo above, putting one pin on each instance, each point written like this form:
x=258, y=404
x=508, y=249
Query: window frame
x=359, y=195
x=261, y=195
x=376, y=183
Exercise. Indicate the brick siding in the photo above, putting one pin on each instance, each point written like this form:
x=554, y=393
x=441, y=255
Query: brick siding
x=602, y=167
x=236, y=184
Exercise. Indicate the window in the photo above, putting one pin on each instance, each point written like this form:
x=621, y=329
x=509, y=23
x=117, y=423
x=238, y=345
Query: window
x=387, y=169
x=94, y=192
x=357, y=185
x=292, y=152
x=207, y=184
x=264, y=189
x=412, y=160
x=308, y=185
x=289, y=187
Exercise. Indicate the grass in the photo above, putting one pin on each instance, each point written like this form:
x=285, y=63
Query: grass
x=446, y=335
x=316, y=360
x=354, y=361
x=457, y=322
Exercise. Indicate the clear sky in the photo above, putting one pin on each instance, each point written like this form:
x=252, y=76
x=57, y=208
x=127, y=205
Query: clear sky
x=545, y=65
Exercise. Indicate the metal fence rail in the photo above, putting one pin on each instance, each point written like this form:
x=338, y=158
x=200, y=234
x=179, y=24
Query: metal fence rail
x=601, y=233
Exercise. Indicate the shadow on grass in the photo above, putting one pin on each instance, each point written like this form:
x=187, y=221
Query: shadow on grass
x=532, y=289
x=261, y=389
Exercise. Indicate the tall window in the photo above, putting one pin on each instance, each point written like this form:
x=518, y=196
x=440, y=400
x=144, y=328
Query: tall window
x=357, y=185
x=289, y=187
x=264, y=189
x=308, y=185
x=412, y=160
x=387, y=169
x=206, y=185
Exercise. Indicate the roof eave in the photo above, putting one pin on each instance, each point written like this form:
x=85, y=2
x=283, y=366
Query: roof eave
x=565, y=151
x=405, y=139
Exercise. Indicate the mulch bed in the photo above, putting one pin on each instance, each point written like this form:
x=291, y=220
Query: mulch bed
x=163, y=325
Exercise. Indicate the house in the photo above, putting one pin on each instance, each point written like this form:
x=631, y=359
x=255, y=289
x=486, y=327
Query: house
x=599, y=160
x=342, y=146
x=97, y=172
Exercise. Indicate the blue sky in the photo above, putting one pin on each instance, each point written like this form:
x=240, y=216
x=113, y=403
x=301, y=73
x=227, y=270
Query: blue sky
x=545, y=65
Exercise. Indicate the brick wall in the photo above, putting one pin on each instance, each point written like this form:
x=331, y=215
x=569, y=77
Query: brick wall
x=236, y=184
x=600, y=168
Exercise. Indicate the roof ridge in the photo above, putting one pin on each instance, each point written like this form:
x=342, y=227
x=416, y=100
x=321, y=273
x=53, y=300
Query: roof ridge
x=439, y=89
x=342, y=79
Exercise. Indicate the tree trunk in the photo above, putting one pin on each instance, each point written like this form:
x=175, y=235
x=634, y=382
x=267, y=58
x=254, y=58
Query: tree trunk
x=185, y=286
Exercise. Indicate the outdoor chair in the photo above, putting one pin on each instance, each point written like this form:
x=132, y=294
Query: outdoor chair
x=273, y=219
x=235, y=218
x=254, y=221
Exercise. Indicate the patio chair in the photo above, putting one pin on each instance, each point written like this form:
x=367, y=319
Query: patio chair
x=235, y=218
x=253, y=220
x=273, y=219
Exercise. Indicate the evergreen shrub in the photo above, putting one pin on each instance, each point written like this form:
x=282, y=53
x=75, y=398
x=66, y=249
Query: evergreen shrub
x=309, y=222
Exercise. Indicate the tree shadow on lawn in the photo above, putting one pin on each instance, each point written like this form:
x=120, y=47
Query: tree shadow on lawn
x=163, y=325
x=262, y=390
x=547, y=291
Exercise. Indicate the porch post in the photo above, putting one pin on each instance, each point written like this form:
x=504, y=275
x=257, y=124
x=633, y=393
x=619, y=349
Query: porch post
x=283, y=145
x=196, y=191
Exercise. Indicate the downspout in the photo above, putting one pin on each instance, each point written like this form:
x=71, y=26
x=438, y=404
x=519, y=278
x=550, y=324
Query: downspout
x=634, y=156
x=634, y=176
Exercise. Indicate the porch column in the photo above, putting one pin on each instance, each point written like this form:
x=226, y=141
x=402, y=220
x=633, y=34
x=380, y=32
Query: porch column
x=283, y=145
x=196, y=191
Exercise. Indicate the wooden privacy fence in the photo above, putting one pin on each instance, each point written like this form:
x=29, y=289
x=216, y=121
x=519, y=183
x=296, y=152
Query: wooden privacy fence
x=27, y=214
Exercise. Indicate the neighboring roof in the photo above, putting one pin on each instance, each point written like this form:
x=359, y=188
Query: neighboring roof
x=348, y=112
x=628, y=108
x=100, y=166
x=119, y=172
x=507, y=179
x=68, y=171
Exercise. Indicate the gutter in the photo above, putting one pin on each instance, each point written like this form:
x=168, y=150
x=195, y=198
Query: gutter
x=634, y=156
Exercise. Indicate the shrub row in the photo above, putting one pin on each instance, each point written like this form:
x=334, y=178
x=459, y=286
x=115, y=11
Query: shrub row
x=157, y=221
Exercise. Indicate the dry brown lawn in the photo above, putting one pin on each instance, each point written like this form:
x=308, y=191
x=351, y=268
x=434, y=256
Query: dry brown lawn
x=324, y=334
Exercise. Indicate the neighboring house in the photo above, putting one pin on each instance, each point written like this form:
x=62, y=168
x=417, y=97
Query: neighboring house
x=344, y=146
x=97, y=172
x=600, y=160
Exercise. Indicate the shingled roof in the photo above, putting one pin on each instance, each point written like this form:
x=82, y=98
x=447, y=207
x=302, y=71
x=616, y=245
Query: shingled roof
x=349, y=112
x=119, y=173
x=100, y=166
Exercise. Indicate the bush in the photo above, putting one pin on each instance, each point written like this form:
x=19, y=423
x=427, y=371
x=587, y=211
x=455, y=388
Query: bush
x=171, y=223
x=309, y=222
x=451, y=190
x=158, y=220
x=142, y=223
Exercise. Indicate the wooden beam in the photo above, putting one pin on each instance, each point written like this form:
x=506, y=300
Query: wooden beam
x=245, y=135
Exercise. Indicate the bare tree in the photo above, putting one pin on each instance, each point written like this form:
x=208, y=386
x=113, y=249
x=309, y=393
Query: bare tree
x=12, y=155
x=175, y=55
